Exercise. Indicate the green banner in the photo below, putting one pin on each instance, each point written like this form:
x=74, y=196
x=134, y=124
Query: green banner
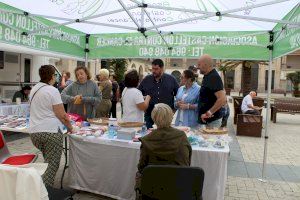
x=221, y=45
x=58, y=40
x=287, y=38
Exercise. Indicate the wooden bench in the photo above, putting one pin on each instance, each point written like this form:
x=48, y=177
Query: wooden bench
x=249, y=125
x=285, y=105
x=237, y=103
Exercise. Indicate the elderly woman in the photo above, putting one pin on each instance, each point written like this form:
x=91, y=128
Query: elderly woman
x=133, y=101
x=83, y=95
x=165, y=145
x=47, y=115
x=187, y=100
x=105, y=87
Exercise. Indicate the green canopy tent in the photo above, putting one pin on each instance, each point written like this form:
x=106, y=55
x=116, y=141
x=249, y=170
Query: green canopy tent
x=90, y=29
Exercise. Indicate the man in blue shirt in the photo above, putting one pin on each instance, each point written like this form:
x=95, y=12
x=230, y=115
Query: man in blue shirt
x=160, y=86
x=212, y=96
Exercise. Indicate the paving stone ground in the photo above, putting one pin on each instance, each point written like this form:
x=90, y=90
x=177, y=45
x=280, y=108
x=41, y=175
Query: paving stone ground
x=244, y=164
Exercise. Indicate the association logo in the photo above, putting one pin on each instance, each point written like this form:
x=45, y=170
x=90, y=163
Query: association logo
x=83, y=8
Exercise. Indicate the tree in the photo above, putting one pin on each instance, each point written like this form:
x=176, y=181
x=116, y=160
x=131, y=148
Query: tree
x=119, y=66
x=295, y=79
x=228, y=65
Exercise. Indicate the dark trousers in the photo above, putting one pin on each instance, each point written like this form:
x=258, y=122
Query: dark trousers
x=252, y=112
x=149, y=121
x=113, y=109
x=225, y=116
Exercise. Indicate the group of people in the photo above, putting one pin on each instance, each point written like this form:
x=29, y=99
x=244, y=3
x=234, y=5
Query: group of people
x=153, y=99
x=194, y=104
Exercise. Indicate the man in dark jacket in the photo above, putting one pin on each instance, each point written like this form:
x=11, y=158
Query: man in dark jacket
x=161, y=87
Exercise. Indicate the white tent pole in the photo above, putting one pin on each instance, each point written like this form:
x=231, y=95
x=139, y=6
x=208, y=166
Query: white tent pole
x=284, y=28
x=137, y=2
x=142, y=15
x=223, y=12
x=52, y=17
x=254, y=6
x=148, y=15
x=109, y=25
x=262, y=19
x=129, y=14
x=263, y=175
x=181, y=21
x=107, y=13
x=51, y=27
x=209, y=14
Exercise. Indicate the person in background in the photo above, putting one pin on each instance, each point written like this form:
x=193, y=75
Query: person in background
x=83, y=95
x=186, y=101
x=247, y=105
x=194, y=69
x=22, y=94
x=226, y=113
x=105, y=87
x=212, y=96
x=47, y=115
x=65, y=80
x=164, y=145
x=160, y=86
x=121, y=88
x=115, y=96
x=132, y=99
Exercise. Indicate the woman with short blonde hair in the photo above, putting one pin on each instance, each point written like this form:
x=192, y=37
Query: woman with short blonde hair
x=104, y=73
x=162, y=115
x=163, y=146
x=105, y=87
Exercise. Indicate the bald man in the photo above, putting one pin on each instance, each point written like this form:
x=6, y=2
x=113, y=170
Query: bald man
x=247, y=105
x=212, y=96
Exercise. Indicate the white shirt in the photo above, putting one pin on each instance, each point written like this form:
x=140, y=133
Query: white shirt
x=246, y=101
x=42, y=117
x=130, y=98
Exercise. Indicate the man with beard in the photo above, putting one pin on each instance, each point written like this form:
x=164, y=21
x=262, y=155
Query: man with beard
x=161, y=87
x=212, y=96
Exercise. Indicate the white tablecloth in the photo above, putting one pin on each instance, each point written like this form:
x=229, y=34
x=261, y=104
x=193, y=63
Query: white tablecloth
x=108, y=167
x=14, y=109
x=21, y=184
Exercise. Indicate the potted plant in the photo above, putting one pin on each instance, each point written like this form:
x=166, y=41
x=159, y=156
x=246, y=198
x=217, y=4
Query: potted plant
x=295, y=79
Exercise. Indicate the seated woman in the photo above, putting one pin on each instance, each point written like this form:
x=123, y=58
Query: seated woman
x=133, y=101
x=187, y=100
x=164, y=145
x=83, y=95
x=105, y=87
x=22, y=94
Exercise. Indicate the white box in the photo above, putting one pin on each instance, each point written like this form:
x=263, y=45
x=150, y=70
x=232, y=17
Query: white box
x=126, y=133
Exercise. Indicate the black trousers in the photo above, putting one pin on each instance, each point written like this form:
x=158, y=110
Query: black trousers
x=252, y=112
x=113, y=110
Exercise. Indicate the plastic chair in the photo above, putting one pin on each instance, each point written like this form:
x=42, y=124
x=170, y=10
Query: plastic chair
x=165, y=182
x=7, y=158
x=59, y=194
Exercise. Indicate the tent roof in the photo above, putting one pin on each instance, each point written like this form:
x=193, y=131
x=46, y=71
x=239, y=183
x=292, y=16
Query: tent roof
x=160, y=15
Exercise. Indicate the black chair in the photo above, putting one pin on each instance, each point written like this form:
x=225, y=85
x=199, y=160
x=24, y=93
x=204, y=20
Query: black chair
x=165, y=182
x=59, y=194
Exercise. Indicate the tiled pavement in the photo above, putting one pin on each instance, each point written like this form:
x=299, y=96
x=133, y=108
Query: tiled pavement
x=244, y=164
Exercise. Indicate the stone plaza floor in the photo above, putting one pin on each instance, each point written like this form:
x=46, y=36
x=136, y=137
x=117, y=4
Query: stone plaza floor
x=244, y=164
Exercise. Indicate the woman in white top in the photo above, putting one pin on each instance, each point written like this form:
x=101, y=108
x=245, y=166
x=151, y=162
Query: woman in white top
x=47, y=115
x=133, y=101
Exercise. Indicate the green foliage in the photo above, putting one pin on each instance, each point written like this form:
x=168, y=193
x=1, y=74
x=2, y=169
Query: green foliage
x=295, y=79
x=119, y=66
